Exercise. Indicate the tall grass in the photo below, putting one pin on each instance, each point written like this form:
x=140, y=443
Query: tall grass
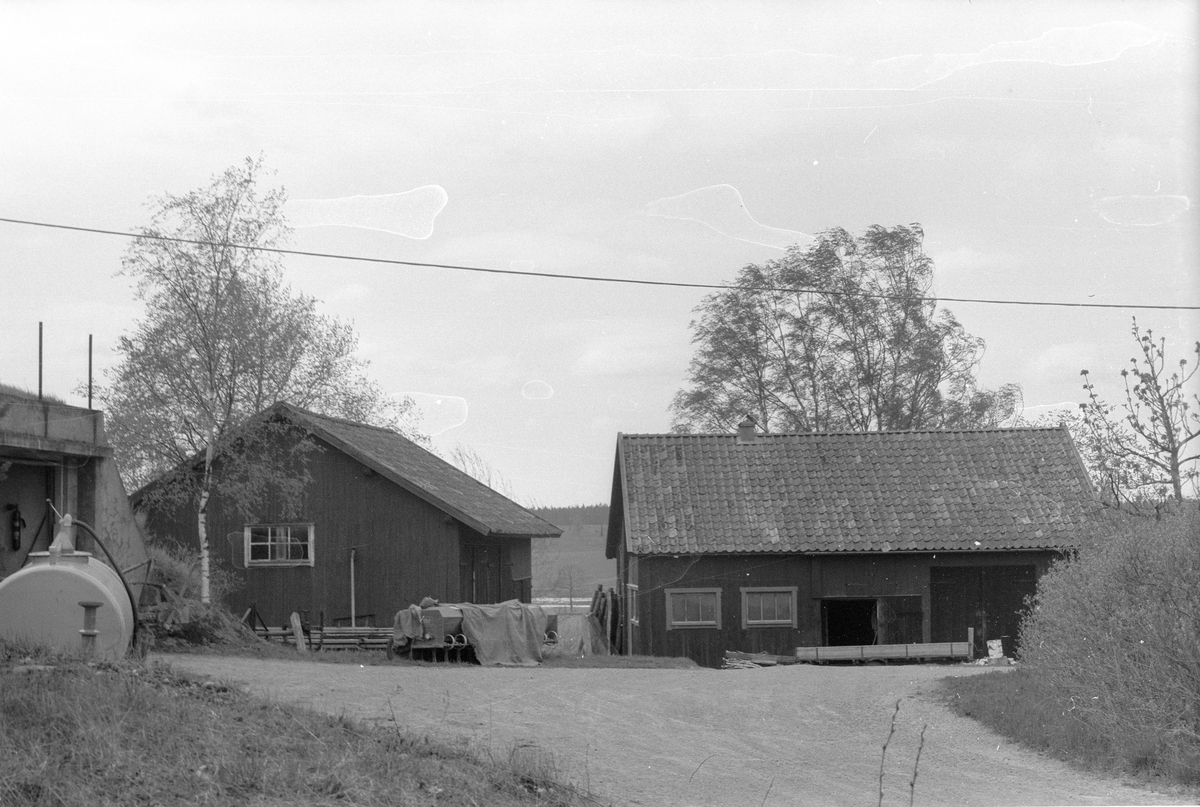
x=79, y=734
x=1111, y=654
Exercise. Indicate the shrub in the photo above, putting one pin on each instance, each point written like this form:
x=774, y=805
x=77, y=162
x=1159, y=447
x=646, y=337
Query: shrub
x=1114, y=638
x=174, y=613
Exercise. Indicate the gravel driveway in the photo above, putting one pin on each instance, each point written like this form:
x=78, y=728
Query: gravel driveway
x=776, y=736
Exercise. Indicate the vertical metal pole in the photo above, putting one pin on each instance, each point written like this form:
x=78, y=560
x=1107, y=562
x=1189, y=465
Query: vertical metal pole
x=39, y=361
x=352, y=613
x=89, y=371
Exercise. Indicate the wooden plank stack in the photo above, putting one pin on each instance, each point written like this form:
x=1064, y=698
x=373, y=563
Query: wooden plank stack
x=869, y=652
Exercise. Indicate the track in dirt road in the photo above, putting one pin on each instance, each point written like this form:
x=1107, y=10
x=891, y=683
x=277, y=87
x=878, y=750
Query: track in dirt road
x=776, y=736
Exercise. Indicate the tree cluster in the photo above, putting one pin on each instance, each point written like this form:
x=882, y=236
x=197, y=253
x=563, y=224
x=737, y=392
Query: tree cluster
x=842, y=335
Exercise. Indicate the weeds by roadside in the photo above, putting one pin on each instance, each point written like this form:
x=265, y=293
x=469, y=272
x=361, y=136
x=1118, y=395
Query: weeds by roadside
x=1111, y=646
x=1020, y=705
x=75, y=733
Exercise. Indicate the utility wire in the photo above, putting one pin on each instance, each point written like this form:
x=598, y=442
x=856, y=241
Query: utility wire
x=591, y=278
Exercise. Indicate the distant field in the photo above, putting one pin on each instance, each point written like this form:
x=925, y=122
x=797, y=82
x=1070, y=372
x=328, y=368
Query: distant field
x=573, y=563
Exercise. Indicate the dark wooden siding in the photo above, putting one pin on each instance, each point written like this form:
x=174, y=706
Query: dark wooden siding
x=487, y=566
x=406, y=548
x=991, y=597
x=899, y=584
x=730, y=574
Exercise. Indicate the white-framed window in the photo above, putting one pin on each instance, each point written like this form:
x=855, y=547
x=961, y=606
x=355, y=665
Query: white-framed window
x=631, y=599
x=693, y=608
x=764, y=607
x=279, y=544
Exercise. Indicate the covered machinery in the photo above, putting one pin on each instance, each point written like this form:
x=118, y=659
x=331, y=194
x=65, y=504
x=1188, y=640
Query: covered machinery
x=510, y=633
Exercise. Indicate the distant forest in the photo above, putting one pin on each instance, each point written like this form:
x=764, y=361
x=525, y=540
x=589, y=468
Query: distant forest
x=575, y=515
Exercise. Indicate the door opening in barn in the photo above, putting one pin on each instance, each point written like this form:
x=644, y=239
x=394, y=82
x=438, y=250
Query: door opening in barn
x=990, y=599
x=848, y=622
x=882, y=620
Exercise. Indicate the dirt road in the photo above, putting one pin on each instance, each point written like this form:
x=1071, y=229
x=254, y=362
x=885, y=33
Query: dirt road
x=775, y=736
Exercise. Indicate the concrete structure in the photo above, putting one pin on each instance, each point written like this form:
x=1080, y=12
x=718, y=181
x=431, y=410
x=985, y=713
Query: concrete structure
x=52, y=451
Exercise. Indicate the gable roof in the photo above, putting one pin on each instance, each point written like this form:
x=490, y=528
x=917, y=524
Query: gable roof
x=994, y=489
x=421, y=473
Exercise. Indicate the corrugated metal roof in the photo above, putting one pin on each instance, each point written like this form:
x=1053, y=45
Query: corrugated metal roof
x=424, y=474
x=996, y=489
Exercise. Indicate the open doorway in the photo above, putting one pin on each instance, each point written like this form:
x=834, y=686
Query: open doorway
x=881, y=620
x=848, y=622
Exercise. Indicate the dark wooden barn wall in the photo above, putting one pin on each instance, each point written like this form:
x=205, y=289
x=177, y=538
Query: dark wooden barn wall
x=818, y=578
x=486, y=568
x=407, y=548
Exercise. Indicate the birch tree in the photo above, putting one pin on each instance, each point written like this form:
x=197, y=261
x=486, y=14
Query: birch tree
x=222, y=338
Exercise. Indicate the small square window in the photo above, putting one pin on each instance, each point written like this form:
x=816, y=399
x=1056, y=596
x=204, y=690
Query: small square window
x=769, y=607
x=693, y=608
x=279, y=544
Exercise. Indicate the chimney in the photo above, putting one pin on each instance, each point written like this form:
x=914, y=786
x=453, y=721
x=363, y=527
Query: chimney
x=747, y=435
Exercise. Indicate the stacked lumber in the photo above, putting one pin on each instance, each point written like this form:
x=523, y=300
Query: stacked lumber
x=319, y=637
x=350, y=638
x=737, y=660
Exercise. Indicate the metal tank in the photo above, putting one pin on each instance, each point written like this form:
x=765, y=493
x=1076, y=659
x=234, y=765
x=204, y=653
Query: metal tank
x=67, y=600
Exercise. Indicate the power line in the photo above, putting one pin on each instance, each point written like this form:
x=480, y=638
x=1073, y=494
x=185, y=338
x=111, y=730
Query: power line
x=590, y=278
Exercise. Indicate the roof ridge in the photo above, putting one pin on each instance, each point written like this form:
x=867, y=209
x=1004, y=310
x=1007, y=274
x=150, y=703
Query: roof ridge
x=342, y=420
x=847, y=432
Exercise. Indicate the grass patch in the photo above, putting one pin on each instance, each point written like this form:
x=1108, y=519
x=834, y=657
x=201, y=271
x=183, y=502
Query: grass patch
x=1022, y=707
x=102, y=733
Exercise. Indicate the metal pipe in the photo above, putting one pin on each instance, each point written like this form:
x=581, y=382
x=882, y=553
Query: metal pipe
x=89, y=371
x=353, y=552
x=39, y=361
x=116, y=568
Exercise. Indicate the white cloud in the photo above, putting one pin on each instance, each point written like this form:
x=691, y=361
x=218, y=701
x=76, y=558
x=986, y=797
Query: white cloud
x=720, y=207
x=1142, y=211
x=1063, y=47
x=1063, y=360
x=410, y=214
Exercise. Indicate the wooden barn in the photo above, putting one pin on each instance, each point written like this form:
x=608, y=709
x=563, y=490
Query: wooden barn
x=382, y=524
x=768, y=542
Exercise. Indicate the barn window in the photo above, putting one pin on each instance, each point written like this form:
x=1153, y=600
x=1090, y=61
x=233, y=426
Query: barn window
x=279, y=544
x=693, y=608
x=769, y=607
x=631, y=599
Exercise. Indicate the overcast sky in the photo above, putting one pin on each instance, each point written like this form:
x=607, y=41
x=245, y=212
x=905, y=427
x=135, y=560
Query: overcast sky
x=1047, y=149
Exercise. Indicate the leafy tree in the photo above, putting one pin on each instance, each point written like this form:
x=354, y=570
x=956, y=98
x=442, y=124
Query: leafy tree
x=1119, y=479
x=841, y=335
x=475, y=465
x=222, y=338
x=1149, y=437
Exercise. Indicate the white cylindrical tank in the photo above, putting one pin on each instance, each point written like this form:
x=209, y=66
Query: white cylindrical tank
x=41, y=603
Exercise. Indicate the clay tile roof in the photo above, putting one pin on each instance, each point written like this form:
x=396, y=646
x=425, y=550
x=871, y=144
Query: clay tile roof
x=877, y=491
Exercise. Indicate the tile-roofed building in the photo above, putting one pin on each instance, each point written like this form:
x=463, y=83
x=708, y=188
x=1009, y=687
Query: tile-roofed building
x=833, y=532
x=381, y=517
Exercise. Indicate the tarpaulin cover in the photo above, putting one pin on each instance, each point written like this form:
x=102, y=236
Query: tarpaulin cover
x=580, y=635
x=509, y=633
